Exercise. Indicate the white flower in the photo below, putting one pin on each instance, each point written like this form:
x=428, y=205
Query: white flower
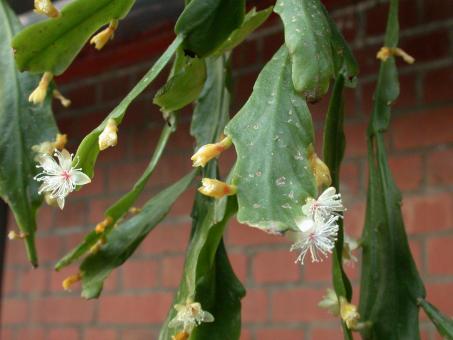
x=59, y=179
x=189, y=316
x=328, y=203
x=317, y=236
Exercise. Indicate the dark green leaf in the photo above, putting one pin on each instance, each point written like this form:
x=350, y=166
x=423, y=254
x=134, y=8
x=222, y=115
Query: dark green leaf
x=211, y=113
x=126, y=237
x=252, y=21
x=89, y=149
x=307, y=36
x=272, y=134
x=121, y=207
x=206, y=24
x=444, y=324
x=22, y=126
x=52, y=45
x=207, y=277
x=334, y=145
x=183, y=87
x=390, y=283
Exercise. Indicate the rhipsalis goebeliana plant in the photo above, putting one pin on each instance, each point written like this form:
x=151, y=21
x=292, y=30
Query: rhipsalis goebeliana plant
x=278, y=183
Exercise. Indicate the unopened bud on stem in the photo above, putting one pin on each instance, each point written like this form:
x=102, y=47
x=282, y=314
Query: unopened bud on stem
x=109, y=136
x=210, y=151
x=215, y=188
x=39, y=94
x=386, y=52
x=45, y=7
x=100, y=39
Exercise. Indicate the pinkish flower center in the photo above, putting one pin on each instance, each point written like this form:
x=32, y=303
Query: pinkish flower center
x=66, y=175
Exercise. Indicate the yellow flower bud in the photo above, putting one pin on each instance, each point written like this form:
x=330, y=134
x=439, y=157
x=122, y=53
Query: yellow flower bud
x=45, y=7
x=386, y=52
x=181, y=336
x=63, y=100
x=109, y=136
x=215, y=188
x=319, y=169
x=348, y=313
x=100, y=227
x=210, y=151
x=69, y=281
x=100, y=39
x=95, y=248
x=39, y=94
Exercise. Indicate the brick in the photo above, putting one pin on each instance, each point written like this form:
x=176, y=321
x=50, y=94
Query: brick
x=65, y=310
x=172, y=168
x=172, y=271
x=97, y=208
x=138, y=334
x=286, y=305
x=111, y=282
x=255, y=306
x=115, y=88
x=97, y=334
x=440, y=251
x=49, y=248
x=270, y=45
x=245, y=54
x=166, y=239
x=376, y=17
x=72, y=215
x=14, y=311
x=347, y=24
x=355, y=139
x=437, y=85
x=239, y=263
x=34, y=280
x=63, y=333
x=97, y=184
x=243, y=86
x=15, y=252
x=439, y=46
x=275, y=266
x=241, y=234
x=326, y=333
x=407, y=171
x=139, y=274
x=56, y=278
x=272, y=334
x=439, y=294
x=31, y=333
x=428, y=213
x=246, y=334
x=440, y=167
x=406, y=131
x=45, y=217
x=135, y=309
x=7, y=334
x=122, y=177
x=434, y=10
x=350, y=177
x=354, y=218
x=9, y=281
x=82, y=96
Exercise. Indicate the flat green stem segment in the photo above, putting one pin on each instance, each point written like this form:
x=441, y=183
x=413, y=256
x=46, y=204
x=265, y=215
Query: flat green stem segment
x=334, y=145
x=272, y=134
x=53, y=44
x=211, y=113
x=89, y=149
x=126, y=237
x=252, y=21
x=390, y=283
x=444, y=324
x=184, y=86
x=122, y=206
x=206, y=24
x=208, y=277
x=22, y=125
x=317, y=49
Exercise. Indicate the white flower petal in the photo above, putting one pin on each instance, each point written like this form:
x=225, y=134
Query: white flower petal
x=48, y=164
x=60, y=201
x=79, y=178
x=65, y=159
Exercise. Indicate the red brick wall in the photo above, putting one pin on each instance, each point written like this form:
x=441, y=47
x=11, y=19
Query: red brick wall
x=282, y=297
